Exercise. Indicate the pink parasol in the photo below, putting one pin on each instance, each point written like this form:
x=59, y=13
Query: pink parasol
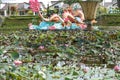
x=34, y=5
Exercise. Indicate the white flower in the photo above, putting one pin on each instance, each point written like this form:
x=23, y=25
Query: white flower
x=44, y=69
x=42, y=74
x=4, y=51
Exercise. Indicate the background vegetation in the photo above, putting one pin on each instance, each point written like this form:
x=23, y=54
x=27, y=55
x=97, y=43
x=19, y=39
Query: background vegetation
x=13, y=23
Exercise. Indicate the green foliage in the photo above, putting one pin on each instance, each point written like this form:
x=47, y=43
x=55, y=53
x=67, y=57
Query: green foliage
x=30, y=12
x=18, y=22
x=1, y=20
x=76, y=1
x=101, y=11
x=118, y=3
x=62, y=56
x=109, y=20
x=69, y=42
x=95, y=0
x=70, y=1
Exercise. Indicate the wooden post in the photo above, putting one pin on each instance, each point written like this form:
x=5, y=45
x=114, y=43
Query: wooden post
x=5, y=12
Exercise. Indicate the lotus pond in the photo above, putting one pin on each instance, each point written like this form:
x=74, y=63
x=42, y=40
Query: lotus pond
x=60, y=55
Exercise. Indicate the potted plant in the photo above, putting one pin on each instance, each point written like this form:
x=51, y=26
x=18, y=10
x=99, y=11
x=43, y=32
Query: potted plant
x=89, y=8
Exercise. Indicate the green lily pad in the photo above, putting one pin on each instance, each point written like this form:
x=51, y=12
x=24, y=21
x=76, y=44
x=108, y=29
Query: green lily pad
x=75, y=73
x=1, y=52
x=66, y=78
x=14, y=54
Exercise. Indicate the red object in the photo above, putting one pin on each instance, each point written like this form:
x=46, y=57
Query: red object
x=34, y=5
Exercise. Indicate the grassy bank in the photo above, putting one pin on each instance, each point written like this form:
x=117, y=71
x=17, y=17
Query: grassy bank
x=109, y=20
x=14, y=23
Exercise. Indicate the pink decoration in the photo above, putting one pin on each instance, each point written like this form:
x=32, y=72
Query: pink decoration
x=66, y=20
x=52, y=28
x=83, y=26
x=34, y=5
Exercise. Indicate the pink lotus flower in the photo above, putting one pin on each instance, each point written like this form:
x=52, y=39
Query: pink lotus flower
x=34, y=5
x=117, y=68
x=66, y=45
x=41, y=47
x=86, y=69
x=17, y=62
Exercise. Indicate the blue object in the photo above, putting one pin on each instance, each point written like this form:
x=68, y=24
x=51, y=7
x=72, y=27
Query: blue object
x=45, y=26
x=74, y=26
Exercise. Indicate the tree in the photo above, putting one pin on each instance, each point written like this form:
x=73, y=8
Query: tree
x=75, y=1
x=118, y=3
x=13, y=9
x=70, y=1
